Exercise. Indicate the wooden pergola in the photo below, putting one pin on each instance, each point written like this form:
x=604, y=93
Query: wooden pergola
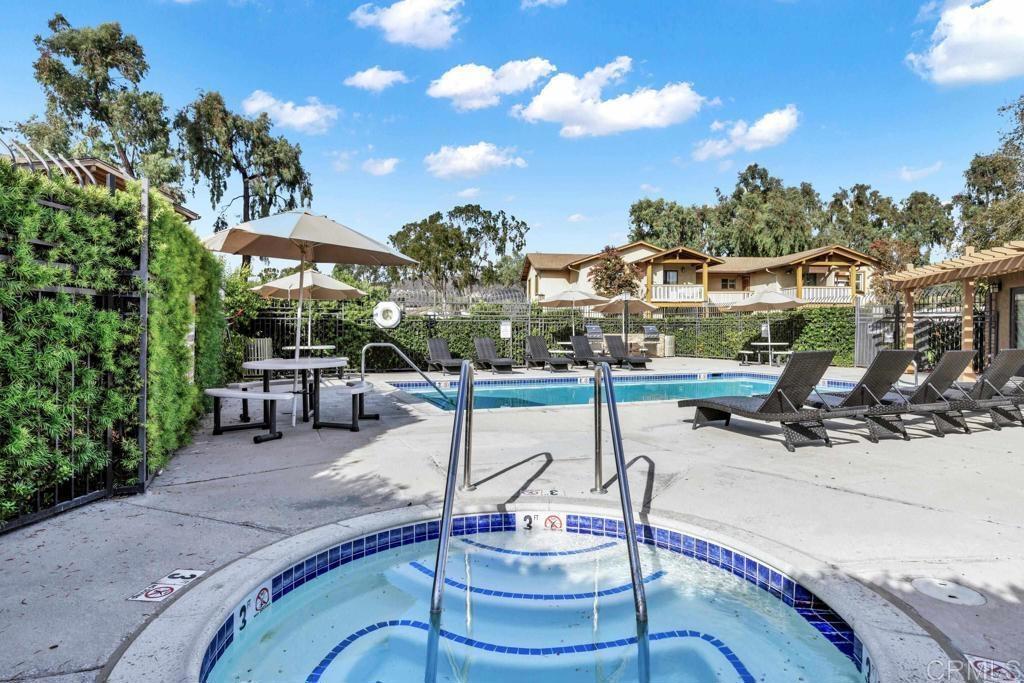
x=974, y=265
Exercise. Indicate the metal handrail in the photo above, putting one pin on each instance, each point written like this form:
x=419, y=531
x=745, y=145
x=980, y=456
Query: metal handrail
x=408, y=361
x=603, y=379
x=463, y=415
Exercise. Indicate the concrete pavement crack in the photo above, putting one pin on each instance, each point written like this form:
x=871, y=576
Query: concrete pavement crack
x=247, y=525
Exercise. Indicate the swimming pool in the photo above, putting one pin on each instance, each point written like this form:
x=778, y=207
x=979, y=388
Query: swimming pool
x=539, y=597
x=579, y=389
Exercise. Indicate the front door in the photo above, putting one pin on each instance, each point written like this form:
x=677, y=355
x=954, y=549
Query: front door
x=1017, y=317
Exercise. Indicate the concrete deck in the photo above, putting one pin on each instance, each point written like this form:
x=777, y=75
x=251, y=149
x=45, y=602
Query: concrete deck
x=882, y=514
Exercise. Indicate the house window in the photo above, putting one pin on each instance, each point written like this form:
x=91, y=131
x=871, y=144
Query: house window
x=670, y=277
x=860, y=282
x=728, y=283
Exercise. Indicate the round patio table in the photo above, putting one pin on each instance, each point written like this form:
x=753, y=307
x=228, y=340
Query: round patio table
x=304, y=366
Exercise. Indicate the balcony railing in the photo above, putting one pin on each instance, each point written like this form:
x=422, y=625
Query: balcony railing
x=826, y=295
x=677, y=293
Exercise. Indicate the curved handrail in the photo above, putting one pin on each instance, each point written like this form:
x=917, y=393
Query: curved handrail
x=463, y=415
x=401, y=354
x=603, y=379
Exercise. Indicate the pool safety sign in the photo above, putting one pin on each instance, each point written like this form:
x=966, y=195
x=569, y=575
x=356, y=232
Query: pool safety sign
x=250, y=609
x=161, y=589
x=986, y=670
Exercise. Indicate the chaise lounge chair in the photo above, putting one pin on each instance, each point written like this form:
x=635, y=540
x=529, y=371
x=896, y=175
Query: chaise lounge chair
x=995, y=391
x=582, y=352
x=441, y=357
x=617, y=350
x=878, y=380
x=782, y=404
x=929, y=399
x=487, y=355
x=539, y=354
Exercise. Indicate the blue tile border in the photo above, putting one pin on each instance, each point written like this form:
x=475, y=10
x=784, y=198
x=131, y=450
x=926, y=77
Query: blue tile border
x=539, y=553
x=730, y=656
x=814, y=610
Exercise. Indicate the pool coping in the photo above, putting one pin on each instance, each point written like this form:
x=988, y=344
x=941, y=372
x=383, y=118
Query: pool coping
x=172, y=645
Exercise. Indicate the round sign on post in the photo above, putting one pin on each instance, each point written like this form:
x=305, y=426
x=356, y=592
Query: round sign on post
x=387, y=315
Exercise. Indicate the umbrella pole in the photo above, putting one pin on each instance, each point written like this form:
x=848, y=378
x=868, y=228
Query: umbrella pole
x=771, y=358
x=298, y=334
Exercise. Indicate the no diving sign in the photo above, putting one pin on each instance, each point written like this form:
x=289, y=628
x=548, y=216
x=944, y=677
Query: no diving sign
x=161, y=589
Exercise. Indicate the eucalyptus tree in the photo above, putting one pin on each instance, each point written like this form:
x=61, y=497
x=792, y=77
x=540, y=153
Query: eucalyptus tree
x=94, y=105
x=219, y=145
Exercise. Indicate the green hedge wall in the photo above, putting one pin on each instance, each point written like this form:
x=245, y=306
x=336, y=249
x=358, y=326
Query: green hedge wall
x=831, y=328
x=69, y=359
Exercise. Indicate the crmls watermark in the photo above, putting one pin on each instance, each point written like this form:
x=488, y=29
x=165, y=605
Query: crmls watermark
x=975, y=669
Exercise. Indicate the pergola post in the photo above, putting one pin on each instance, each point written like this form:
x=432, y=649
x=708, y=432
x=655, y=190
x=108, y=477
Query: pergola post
x=967, y=322
x=800, y=281
x=909, y=341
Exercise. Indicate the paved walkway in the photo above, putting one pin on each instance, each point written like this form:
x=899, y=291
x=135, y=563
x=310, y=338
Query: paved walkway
x=886, y=513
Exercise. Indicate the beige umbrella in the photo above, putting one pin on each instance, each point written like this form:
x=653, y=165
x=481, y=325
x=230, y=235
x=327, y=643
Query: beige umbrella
x=304, y=237
x=572, y=298
x=767, y=300
x=624, y=303
x=318, y=286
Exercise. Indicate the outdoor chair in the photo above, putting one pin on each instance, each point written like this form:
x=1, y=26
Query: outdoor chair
x=878, y=380
x=583, y=353
x=929, y=399
x=487, y=356
x=539, y=354
x=995, y=391
x=441, y=357
x=617, y=350
x=782, y=404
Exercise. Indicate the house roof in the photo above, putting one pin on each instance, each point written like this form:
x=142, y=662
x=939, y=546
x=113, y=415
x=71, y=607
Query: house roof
x=547, y=261
x=98, y=172
x=639, y=243
x=684, y=250
x=993, y=262
x=751, y=264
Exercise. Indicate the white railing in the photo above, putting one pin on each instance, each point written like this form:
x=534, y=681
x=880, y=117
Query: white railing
x=680, y=293
x=830, y=295
x=728, y=297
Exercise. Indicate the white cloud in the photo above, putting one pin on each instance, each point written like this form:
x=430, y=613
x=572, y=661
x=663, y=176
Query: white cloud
x=576, y=218
x=908, y=174
x=380, y=166
x=341, y=160
x=471, y=160
x=530, y=4
x=469, y=192
x=576, y=103
x=771, y=129
x=974, y=42
x=473, y=86
x=429, y=24
x=314, y=117
x=649, y=189
x=375, y=79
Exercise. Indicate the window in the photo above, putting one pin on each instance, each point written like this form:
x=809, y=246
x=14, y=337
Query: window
x=728, y=283
x=670, y=277
x=860, y=281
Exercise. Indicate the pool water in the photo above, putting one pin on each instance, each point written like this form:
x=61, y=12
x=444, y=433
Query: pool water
x=532, y=606
x=524, y=395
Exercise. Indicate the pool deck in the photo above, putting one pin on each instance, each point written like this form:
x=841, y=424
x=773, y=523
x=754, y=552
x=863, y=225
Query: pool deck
x=882, y=514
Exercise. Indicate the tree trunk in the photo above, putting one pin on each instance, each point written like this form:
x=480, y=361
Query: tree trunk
x=246, y=259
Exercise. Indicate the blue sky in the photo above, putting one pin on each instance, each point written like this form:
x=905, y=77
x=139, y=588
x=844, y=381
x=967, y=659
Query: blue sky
x=825, y=91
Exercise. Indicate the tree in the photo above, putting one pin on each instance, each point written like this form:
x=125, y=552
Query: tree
x=858, y=216
x=924, y=222
x=763, y=217
x=216, y=144
x=94, y=105
x=507, y=271
x=893, y=255
x=613, y=275
x=669, y=224
x=462, y=247
x=990, y=202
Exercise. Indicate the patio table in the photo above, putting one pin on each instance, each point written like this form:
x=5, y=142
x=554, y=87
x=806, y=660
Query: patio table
x=305, y=365
x=770, y=348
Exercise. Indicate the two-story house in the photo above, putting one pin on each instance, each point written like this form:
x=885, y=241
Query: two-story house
x=681, y=277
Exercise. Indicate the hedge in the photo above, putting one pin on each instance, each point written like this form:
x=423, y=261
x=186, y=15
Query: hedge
x=68, y=363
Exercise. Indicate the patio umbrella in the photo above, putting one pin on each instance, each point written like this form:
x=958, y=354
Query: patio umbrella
x=624, y=303
x=307, y=238
x=572, y=298
x=317, y=286
x=767, y=300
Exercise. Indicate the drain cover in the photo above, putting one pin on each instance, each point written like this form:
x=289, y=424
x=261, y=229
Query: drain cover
x=947, y=591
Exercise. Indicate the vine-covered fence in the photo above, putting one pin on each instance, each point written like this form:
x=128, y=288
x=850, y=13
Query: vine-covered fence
x=99, y=294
